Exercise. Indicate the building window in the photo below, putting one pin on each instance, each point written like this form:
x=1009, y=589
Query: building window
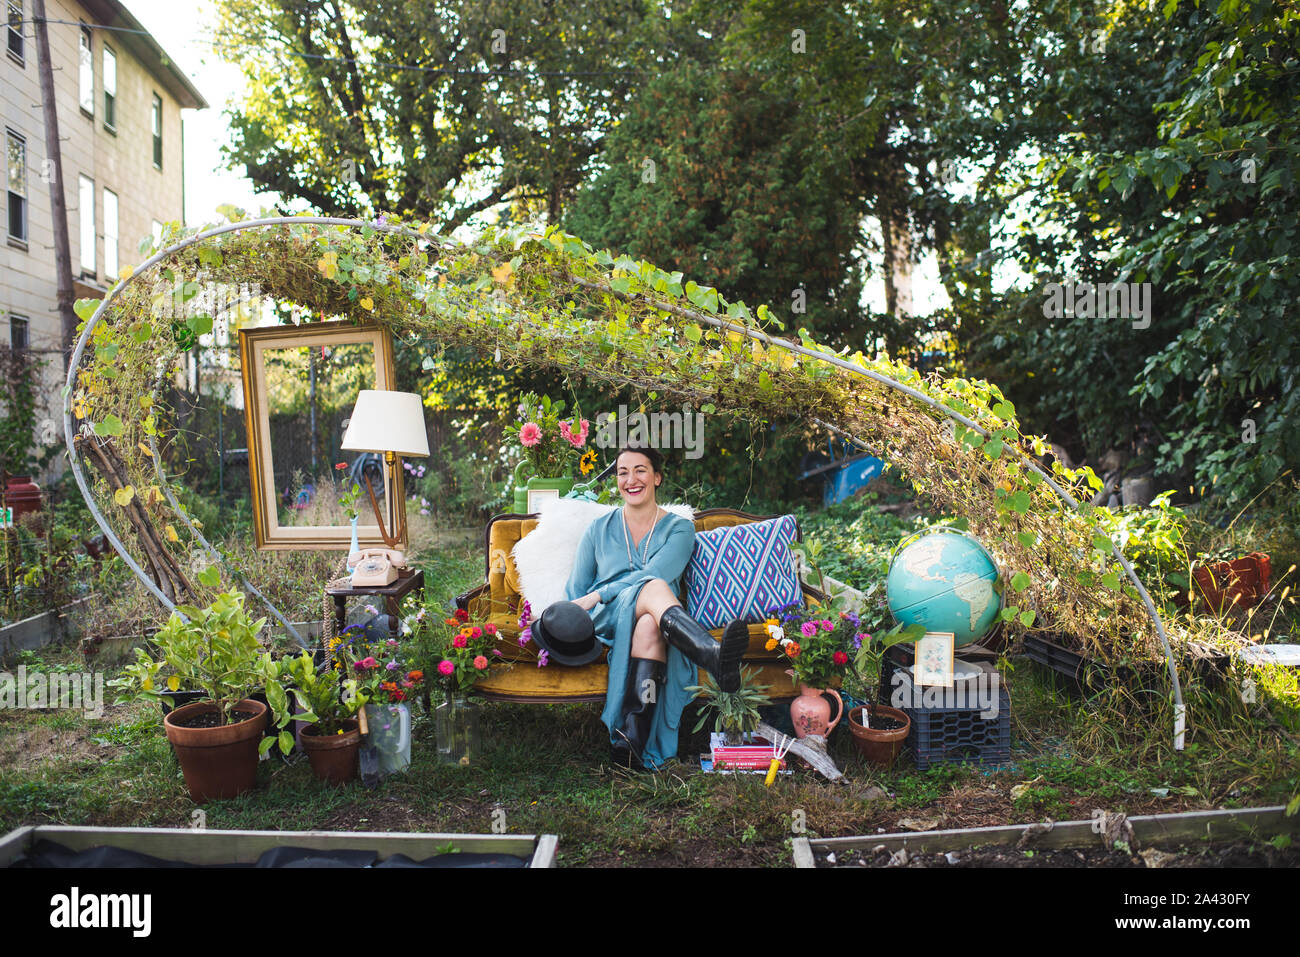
x=87, y=74
x=157, y=130
x=19, y=337
x=110, y=234
x=15, y=31
x=110, y=88
x=16, y=182
x=87, y=210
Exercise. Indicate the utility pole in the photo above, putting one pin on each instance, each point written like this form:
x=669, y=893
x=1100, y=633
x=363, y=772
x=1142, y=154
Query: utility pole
x=58, y=208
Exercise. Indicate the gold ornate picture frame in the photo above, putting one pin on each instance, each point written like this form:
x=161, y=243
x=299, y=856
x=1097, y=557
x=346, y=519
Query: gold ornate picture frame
x=272, y=533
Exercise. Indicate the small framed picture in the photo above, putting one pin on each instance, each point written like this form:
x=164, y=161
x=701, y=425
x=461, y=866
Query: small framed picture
x=934, y=659
x=538, y=495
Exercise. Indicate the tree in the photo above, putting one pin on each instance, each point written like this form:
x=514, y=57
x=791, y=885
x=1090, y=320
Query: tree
x=714, y=177
x=443, y=109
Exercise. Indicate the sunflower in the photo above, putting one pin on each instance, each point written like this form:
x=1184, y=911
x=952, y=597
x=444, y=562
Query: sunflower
x=587, y=462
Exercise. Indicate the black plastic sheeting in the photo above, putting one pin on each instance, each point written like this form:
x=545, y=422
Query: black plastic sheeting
x=49, y=854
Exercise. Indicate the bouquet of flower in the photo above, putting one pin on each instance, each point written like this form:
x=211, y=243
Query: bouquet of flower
x=381, y=673
x=816, y=642
x=462, y=649
x=551, y=445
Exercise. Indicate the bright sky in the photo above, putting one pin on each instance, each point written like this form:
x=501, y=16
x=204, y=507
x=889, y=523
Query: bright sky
x=184, y=30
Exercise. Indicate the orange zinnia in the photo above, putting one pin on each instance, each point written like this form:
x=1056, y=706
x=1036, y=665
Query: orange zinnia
x=771, y=644
x=792, y=649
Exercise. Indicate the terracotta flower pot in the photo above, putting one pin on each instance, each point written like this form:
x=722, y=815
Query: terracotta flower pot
x=1238, y=583
x=218, y=762
x=879, y=747
x=333, y=757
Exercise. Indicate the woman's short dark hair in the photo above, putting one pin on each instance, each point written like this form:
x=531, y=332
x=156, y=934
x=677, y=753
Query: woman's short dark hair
x=654, y=455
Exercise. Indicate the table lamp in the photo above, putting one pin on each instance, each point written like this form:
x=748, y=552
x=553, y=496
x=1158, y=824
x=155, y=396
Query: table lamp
x=391, y=423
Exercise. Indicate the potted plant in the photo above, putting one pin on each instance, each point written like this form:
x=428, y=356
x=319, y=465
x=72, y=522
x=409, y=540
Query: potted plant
x=816, y=642
x=879, y=731
x=551, y=447
x=463, y=652
x=332, y=738
x=215, y=649
x=387, y=685
x=735, y=717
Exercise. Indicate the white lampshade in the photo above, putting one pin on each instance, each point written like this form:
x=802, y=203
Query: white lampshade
x=387, y=422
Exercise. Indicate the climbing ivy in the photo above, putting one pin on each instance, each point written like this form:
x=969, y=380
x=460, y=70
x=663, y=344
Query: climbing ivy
x=550, y=300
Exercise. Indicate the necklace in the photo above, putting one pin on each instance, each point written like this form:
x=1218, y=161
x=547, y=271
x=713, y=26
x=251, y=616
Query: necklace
x=627, y=540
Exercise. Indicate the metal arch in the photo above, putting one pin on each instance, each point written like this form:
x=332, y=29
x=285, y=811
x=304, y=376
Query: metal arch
x=887, y=381
x=75, y=362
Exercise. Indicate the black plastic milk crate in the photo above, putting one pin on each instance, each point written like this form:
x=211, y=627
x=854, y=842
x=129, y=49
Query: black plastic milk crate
x=961, y=735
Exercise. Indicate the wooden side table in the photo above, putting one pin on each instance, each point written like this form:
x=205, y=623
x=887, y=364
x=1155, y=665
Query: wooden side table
x=392, y=595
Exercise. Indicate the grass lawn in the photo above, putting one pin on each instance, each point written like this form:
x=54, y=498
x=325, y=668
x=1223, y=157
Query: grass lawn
x=547, y=768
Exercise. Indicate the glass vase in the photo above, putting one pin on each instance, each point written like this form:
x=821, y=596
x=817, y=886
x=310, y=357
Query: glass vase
x=456, y=730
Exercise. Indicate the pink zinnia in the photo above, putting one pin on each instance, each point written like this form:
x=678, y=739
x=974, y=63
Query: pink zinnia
x=530, y=434
x=446, y=668
x=460, y=641
x=480, y=662
x=490, y=628
x=827, y=626
x=809, y=628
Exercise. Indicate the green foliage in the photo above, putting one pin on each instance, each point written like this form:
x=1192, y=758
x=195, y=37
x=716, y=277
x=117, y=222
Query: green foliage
x=19, y=372
x=737, y=190
x=329, y=701
x=395, y=110
x=215, y=651
x=734, y=712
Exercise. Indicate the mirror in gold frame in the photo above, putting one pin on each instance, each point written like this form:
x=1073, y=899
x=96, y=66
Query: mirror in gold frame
x=300, y=384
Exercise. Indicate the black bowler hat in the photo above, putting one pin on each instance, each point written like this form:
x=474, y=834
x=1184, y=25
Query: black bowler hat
x=567, y=634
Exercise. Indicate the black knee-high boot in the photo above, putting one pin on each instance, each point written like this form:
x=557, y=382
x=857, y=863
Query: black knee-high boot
x=720, y=659
x=645, y=681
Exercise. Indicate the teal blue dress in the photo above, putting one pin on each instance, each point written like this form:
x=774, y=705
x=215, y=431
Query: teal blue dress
x=603, y=566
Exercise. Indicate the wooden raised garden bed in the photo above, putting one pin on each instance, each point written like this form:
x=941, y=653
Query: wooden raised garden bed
x=1147, y=830
x=212, y=847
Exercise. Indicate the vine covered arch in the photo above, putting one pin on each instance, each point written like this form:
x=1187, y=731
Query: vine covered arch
x=549, y=300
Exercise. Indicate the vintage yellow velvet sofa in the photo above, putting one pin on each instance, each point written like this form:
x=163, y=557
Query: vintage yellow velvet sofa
x=516, y=677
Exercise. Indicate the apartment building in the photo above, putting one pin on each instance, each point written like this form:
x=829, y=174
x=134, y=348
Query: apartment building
x=119, y=99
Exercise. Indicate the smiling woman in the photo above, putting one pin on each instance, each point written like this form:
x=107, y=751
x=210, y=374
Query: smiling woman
x=628, y=580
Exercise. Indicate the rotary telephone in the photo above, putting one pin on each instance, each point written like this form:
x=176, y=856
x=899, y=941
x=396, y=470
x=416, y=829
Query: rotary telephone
x=375, y=567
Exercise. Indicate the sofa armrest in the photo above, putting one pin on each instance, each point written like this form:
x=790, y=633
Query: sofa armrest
x=462, y=601
x=814, y=593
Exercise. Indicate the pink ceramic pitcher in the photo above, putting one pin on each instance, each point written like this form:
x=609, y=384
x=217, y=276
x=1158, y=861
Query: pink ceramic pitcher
x=810, y=711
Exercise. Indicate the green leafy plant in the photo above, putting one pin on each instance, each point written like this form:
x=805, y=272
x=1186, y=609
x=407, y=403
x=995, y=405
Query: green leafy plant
x=734, y=712
x=329, y=700
x=214, y=650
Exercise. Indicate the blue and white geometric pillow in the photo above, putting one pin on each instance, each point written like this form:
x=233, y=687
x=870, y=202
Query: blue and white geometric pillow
x=742, y=571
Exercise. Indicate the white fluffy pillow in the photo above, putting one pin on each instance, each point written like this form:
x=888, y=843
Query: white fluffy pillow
x=544, y=557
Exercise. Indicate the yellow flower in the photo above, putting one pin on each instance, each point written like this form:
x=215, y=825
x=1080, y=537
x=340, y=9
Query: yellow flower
x=772, y=623
x=588, y=462
x=771, y=644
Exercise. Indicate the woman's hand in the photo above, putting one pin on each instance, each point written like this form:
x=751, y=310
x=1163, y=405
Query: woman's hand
x=589, y=601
